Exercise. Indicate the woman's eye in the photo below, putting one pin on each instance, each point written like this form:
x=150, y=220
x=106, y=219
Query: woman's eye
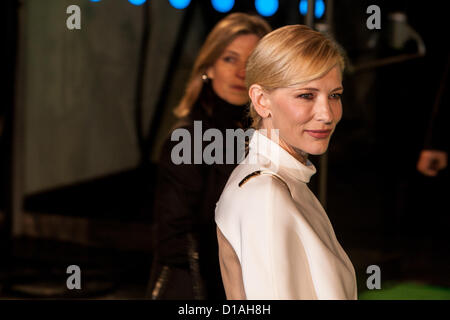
x=229, y=59
x=336, y=96
x=308, y=96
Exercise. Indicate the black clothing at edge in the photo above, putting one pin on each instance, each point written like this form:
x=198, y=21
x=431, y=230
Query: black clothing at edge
x=185, y=202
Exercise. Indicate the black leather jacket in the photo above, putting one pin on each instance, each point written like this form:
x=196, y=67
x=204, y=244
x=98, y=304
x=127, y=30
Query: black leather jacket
x=186, y=197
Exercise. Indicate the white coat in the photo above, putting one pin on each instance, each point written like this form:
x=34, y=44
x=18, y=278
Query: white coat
x=279, y=231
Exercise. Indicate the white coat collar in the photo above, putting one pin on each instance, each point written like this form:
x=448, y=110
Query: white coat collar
x=282, y=160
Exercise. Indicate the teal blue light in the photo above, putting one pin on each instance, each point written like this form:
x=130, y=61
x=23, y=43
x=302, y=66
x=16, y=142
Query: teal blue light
x=136, y=2
x=222, y=5
x=303, y=7
x=179, y=4
x=319, y=9
x=266, y=8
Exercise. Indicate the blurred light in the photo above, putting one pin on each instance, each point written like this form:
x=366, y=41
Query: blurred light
x=319, y=8
x=222, y=5
x=303, y=7
x=266, y=7
x=179, y=4
x=139, y=2
x=136, y=2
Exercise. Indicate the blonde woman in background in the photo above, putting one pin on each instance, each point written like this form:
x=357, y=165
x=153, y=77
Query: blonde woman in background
x=185, y=264
x=275, y=239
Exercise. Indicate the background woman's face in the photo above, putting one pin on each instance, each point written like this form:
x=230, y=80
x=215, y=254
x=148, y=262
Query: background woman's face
x=307, y=114
x=228, y=72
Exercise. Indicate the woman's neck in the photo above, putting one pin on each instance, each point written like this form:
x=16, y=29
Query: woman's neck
x=273, y=134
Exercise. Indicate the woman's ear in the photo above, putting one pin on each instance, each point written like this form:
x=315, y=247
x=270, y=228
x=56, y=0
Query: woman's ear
x=260, y=99
x=210, y=72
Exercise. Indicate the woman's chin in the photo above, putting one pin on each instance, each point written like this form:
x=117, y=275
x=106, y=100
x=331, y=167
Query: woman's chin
x=317, y=149
x=237, y=99
x=240, y=102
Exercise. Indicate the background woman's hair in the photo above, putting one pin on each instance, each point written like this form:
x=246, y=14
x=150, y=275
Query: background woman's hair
x=288, y=56
x=224, y=32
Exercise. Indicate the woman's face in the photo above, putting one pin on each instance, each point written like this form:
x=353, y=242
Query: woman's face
x=228, y=72
x=306, y=115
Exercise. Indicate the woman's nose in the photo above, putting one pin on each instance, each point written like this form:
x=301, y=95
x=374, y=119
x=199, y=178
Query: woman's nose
x=324, y=112
x=241, y=73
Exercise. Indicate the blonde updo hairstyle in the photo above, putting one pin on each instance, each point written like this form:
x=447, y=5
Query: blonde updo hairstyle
x=289, y=56
x=224, y=32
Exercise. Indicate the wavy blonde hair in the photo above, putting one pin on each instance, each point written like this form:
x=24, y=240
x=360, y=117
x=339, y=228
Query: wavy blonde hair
x=224, y=32
x=289, y=56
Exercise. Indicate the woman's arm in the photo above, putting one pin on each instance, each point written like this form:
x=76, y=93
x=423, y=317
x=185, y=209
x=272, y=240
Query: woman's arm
x=230, y=268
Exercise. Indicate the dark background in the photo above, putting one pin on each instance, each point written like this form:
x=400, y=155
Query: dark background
x=97, y=213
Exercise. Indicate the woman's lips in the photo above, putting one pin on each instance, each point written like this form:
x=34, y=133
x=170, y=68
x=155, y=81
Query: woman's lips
x=240, y=88
x=319, y=134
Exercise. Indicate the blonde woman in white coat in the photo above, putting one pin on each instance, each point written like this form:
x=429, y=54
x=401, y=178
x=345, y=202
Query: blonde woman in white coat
x=275, y=239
